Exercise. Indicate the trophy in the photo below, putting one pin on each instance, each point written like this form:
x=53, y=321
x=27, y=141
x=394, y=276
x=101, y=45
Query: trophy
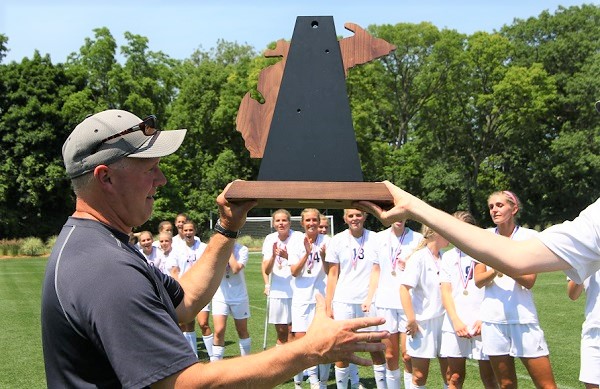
x=303, y=131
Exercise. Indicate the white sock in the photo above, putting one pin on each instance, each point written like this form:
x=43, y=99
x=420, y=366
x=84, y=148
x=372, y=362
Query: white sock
x=392, y=378
x=407, y=379
x=245, y=345
x=218, y=352
x=208, y=344
x=324, y=372
x=192, y=340
x=299, y=377
x=353, y=374
x=413, y=386
x=341, y=377
x=379, y=375
x=313, y=374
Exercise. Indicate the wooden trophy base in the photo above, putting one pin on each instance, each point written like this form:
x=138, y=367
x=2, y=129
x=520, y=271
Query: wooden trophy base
x=309, y=194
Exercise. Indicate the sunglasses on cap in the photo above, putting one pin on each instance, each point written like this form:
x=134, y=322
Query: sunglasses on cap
x=147, y=126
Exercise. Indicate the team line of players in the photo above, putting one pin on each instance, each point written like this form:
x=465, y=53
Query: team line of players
x=436, y=304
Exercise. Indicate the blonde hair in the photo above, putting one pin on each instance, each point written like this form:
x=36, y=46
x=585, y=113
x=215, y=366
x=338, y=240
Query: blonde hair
x=346, y=210
x=310, y=210
x=510, y=197
x=145, y=232
x=427, y=233
x=284, y=211
x=465, y=216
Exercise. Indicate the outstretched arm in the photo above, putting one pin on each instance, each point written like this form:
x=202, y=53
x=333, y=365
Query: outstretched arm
x=326, y=341
x=511, y=257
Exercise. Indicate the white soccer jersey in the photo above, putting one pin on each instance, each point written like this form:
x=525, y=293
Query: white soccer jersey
x=506, y=301
x=355, y=258
x=189, y=255
x=422, y=275
x=458, y=270
x=233, y=286
x=281, y=276
x=392, y=252
x=313, y=277
x=577, y=242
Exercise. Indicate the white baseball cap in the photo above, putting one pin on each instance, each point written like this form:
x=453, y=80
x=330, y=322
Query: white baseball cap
x=107, y=136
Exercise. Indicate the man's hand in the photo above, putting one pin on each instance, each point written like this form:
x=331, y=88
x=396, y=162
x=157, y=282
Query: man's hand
x=337, y=340
x=233, y=215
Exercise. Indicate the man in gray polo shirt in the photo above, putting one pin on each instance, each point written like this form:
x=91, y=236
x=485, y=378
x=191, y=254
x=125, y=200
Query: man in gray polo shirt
x=108, y=318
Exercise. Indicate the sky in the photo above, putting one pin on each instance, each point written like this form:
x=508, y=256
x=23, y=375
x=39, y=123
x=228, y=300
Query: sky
x=179, y=27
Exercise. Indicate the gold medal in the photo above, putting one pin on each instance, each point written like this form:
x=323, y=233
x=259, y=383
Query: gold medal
x=280, y=267
x=465, y=292
x=394, y=273
x=308, y=271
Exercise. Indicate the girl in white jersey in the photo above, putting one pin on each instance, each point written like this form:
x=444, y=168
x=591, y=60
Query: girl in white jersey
x=395, y=245
x=422, y=302
x=589, y=373
x=350, y=254
x=231, y=298
x=510, y=326
x=275, y=264
x=306, y=259
x=461, y=330
x=150, y=252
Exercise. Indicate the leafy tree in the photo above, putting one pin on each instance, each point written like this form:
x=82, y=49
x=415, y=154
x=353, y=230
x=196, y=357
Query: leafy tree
x=33, y=191
x=3, y=46
x=213, y=153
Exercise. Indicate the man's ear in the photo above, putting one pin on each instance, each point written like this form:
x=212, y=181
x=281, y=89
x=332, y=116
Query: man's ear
x=101, y=173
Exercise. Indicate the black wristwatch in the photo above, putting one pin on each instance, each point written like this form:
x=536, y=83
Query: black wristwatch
x=224, y=231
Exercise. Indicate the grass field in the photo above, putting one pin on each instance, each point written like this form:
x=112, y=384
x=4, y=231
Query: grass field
x=21, y=363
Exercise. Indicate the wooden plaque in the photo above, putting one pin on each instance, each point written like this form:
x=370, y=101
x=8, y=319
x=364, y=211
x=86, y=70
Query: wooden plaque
x=309, y=194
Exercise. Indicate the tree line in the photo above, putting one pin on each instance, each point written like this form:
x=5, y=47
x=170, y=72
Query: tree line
x=450, y=117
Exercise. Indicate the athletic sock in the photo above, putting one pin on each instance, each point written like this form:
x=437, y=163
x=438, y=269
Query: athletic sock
x=218, y=352
x=192, y=340
x=324, y=373
x=313, y=375
x=245, y=346
x=341, y=377
x=353, y=374
x=298, y=378
x=407, y=379
x=392, y=378
x=208, y=344
x=379, y=375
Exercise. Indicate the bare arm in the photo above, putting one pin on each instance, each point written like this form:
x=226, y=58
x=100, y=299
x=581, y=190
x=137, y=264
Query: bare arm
x=514, y=258
x=296, y=268
x=574, y=290
x=373, y=281
x=332, y=278
x=202, y=280
x=326, y=341
x=412, y=326
x=483, y=275
x=234, y=265
x=460, y=328
x=527, y=280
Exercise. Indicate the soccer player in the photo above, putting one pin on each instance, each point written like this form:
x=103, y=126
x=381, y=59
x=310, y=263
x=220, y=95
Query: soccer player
x=350, y=254
x=275, y=264
x=231, y=298
x=306, y=259
x=395, y=245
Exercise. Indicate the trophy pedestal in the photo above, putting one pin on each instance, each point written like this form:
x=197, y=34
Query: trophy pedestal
x=309, y=194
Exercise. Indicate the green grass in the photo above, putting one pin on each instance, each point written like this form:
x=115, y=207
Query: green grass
x=21, y=363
